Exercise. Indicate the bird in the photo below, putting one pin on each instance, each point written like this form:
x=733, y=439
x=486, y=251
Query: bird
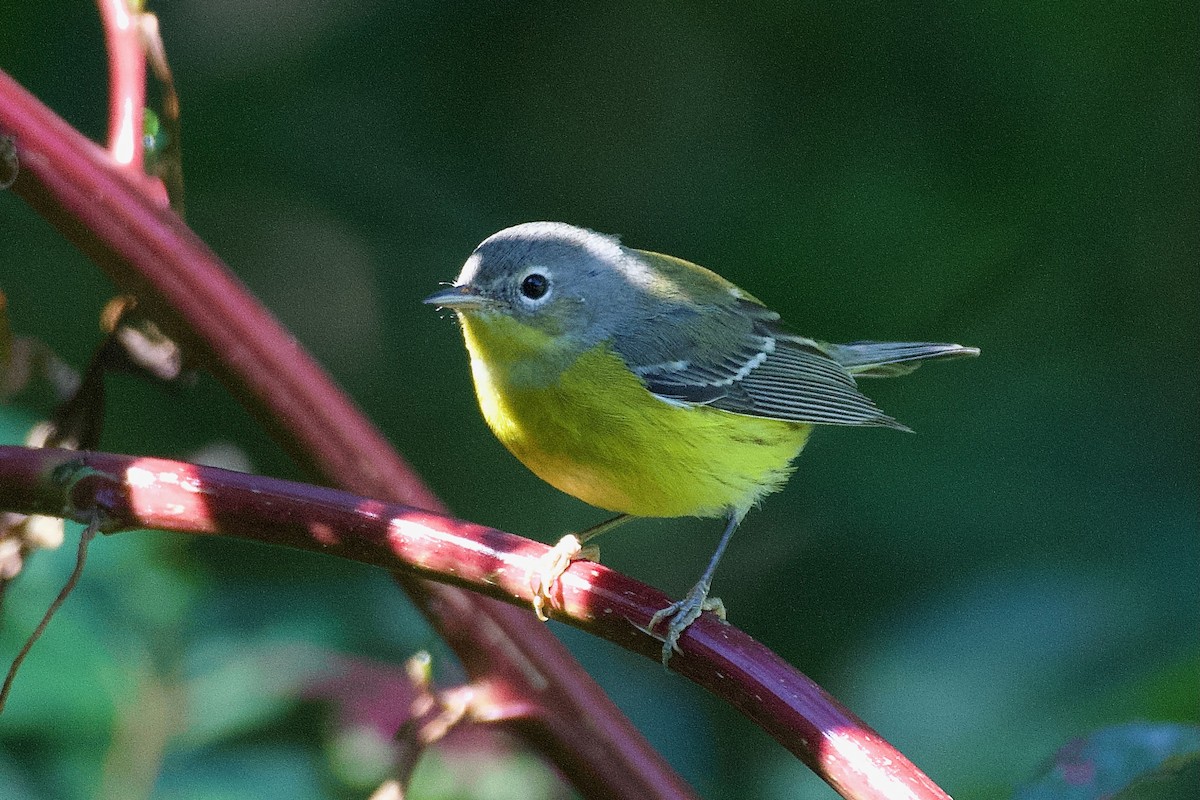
x=649, y=386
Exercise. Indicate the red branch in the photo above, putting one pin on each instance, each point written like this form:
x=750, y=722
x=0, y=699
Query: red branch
x=126, y=82
x=150, y=252
x=134, y=492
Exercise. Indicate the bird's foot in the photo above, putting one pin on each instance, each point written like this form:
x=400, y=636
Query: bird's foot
x=681, y=614
x=553, y=564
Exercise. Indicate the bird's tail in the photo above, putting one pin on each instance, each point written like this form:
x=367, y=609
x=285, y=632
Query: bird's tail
x=889, y=359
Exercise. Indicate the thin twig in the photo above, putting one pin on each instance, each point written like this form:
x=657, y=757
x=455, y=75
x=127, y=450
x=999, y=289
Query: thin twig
x=85, y=539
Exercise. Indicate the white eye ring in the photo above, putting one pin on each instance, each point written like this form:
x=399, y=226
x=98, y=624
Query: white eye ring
x=535, y=286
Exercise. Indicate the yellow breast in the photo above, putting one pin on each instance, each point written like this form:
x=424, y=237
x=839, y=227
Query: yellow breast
x=586, y=425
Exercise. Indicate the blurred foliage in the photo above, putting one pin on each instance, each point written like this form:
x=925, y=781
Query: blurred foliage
x=1136, y=760
x=1020, y=177
x=1174, y=779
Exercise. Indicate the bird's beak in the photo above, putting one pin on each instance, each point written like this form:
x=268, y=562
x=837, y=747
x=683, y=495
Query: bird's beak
x=459, y=297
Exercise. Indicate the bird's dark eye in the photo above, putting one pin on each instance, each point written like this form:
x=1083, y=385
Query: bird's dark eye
x=535, y=285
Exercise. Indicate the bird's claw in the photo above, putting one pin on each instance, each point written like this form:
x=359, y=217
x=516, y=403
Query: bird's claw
x=553, y=564
x=681, y=614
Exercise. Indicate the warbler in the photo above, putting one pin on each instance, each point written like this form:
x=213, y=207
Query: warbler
x=649, y=386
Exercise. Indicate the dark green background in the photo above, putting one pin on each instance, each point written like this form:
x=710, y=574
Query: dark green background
x=1020, y=177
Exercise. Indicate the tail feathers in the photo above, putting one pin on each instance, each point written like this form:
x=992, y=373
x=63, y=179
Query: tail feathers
x=889, y=359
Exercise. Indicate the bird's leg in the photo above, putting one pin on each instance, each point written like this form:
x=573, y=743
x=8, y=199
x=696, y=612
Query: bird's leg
x=572, y=547
x=683, y=613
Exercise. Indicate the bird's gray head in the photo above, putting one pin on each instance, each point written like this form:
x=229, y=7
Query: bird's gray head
x=549, y=275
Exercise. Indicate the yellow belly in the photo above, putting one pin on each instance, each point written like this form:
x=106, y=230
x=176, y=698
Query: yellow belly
x=596, y=433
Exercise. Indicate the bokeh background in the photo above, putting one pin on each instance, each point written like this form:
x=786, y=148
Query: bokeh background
x=1020, y=177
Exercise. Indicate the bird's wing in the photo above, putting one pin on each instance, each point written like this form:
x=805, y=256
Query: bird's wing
x=724, y=349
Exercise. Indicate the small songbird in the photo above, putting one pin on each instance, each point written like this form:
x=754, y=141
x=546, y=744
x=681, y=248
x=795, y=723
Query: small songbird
x=649, y=386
